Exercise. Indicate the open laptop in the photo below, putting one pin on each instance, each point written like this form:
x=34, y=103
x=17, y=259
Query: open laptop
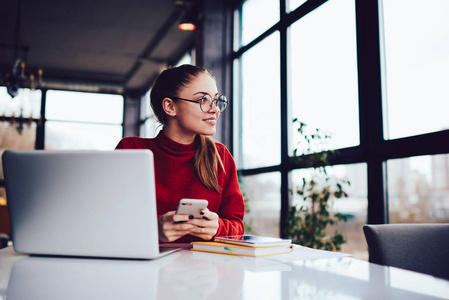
x=83, y=203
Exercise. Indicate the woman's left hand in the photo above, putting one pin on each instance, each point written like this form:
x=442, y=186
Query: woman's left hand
x=207, y=227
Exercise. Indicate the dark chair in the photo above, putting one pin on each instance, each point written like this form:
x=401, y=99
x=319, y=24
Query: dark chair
x=422, y=248
x=4, y=238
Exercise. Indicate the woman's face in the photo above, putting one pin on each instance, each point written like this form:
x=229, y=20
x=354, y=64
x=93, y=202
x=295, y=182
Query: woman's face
x=190, y=119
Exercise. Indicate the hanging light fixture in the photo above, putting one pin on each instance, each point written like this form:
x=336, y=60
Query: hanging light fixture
x=17, y=78
x=188, y=21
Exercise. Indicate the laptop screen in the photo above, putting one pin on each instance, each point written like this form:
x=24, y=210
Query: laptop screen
x=82, y=203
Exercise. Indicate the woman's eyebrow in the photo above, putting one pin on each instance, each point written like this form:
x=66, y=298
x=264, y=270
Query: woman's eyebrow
x=205, y=93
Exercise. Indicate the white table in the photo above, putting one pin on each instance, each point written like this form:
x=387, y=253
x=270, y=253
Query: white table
x=308, y=274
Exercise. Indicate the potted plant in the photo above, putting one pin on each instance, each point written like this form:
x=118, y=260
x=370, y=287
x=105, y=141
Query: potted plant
x=309, y=220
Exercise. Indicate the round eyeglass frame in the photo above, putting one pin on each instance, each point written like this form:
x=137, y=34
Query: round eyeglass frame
x=221, y=99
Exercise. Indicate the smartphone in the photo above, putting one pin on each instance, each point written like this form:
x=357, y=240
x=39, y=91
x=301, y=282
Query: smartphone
x=191, y=207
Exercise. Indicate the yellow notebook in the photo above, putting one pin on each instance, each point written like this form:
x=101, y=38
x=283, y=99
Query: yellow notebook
x=253, y=240
x=225, y=248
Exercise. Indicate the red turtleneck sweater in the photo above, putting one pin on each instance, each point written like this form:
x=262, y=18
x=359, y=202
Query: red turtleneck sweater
x=176, y=179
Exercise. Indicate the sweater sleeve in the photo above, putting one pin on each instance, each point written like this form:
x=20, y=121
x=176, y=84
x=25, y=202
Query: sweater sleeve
x=232, y=209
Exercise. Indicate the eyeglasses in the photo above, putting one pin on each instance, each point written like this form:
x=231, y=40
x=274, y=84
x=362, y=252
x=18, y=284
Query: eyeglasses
x=206, y=102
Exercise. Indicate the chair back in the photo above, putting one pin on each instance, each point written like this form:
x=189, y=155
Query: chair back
x=422, y=248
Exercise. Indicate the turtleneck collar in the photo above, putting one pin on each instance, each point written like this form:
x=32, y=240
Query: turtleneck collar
x=172, y=146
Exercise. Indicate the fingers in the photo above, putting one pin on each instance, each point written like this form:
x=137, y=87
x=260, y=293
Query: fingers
x=172, y=226
x=169, y=233
x=206, y=227
x=208, y=219
x=206, y=233
x=208, y=215
x=171, y=216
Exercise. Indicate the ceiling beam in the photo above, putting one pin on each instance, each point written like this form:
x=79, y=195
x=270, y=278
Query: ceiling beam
x=159, y=36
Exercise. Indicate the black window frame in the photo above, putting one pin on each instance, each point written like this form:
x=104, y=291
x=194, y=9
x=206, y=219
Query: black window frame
x=373, y=149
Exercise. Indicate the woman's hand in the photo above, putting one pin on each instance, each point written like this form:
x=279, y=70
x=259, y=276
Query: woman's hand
x=207, y=227
x=172, y=226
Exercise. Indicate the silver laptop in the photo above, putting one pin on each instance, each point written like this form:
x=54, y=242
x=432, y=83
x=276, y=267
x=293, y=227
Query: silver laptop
x=83, y=203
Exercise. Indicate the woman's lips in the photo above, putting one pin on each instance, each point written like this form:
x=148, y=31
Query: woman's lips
x=211, y=121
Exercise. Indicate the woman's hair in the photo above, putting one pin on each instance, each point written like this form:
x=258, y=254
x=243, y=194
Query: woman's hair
x=168, y=85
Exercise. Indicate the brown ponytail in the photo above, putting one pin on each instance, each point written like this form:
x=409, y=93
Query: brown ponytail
x=168, y=84
x=206, y=161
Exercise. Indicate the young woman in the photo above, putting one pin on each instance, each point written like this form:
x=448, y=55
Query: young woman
x=188, y=163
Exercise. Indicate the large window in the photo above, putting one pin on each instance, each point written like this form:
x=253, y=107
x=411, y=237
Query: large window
x=367, y=73
x=83, y=120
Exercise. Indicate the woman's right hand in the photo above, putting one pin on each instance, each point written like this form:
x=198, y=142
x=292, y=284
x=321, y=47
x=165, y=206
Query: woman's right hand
x=172, y=226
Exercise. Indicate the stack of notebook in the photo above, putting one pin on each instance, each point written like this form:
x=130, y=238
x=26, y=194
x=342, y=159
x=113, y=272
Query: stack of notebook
x=245, y=245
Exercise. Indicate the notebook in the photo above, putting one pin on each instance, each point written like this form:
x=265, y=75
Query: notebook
x=83, y=203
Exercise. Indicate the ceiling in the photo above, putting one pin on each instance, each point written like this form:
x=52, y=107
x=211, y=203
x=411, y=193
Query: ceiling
x=113, y=46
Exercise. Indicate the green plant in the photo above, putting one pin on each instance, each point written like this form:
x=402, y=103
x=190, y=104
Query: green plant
x=307, y=222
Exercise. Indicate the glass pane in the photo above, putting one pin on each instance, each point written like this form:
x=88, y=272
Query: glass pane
x=84, y=107
x=151, y=126
x=79, y=136
x=259, y=133
x=354, y=207
x=26, y=104
x=145, y=106
x=417, y=67
x=263, y=200
x=257, y=17
x=418, y=189
x=323, y=82
x=16, y=136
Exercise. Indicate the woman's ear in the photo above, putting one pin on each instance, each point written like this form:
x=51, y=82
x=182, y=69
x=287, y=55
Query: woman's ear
x=169, y=107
